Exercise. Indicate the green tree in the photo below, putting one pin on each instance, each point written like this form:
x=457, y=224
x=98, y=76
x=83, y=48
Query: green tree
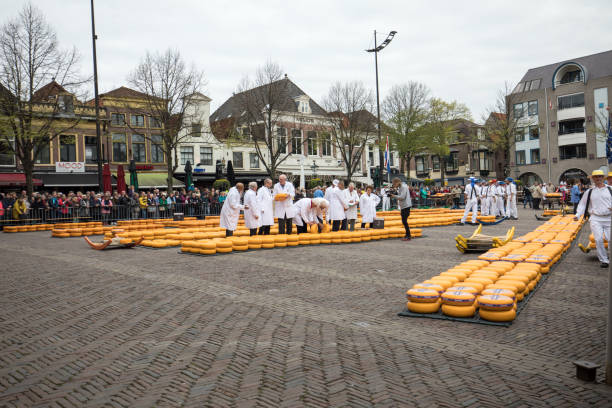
x=439, y=128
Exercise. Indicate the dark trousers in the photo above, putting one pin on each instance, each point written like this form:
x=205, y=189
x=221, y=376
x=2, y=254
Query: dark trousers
x=264, y=230
x=253, y=231
x=575, y=207
x=338, y=225
x=303, y=228
x=229, y=233
x=536, y=203
x=363, y=225
x=285, y=225
x=405, y=213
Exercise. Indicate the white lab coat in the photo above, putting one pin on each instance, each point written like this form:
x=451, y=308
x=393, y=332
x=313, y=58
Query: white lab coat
x=511, y=209
x=336, y=204
x=471, y=202
x=367, y=207
x=304, y=212
x=351, y=197
x=284, y=208
x=600, y=207
x=230, y=212
x=386, y=199
x=501, y=191
x=265, y=203
x=250, y=200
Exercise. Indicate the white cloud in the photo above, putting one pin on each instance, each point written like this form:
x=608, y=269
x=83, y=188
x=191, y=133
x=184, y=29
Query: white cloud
x=461, y=50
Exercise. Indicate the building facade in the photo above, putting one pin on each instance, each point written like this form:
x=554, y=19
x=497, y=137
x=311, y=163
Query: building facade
x=562, y=113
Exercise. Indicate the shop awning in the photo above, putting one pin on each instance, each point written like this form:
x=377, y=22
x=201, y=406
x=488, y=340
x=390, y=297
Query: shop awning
x=153, y=180
x=16, y=179
x=71, y=179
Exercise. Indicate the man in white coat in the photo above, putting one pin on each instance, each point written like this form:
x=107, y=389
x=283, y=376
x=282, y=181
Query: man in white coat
x=596, y=205
x=352, y=200
x=472, y=192
x=265, y=202
x=337, y=206
x=487, y=201
x=309, y=212
x=252, y=218
x=283, y=209
x=501, y=198
x=367, y=206
x=386, y=205
x=230, y=212
x=511, y=210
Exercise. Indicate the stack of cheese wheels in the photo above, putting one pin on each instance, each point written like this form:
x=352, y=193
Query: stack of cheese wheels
x=255, y=242
x=496, y=308
x=458, y=301
x=223, y=245
x=423, y=300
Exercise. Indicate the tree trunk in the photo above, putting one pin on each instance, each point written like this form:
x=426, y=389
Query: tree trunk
x=170, y=172
x=442, y=172
x=28, y=169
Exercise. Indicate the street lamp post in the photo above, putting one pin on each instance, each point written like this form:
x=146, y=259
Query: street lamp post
x=314, y=168
x=375, y=50
x=94, y=37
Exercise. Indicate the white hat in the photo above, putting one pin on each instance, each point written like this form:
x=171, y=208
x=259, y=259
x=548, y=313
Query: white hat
x=335, y=182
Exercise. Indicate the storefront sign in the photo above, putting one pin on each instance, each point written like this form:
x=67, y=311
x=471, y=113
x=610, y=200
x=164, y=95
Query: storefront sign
x=144, y=167
x=70, y=167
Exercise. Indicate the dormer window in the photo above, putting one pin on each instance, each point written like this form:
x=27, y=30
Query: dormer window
x=571, y=76
x=569, y=73
x=65, y=103
x=303, y=104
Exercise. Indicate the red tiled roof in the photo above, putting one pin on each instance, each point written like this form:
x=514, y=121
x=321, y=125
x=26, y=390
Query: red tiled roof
x=51, y=89
x=124, y=92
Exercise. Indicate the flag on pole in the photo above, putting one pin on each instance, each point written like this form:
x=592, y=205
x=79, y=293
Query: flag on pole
x=387, y=162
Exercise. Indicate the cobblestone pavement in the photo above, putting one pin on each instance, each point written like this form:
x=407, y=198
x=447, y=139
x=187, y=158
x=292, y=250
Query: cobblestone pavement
x=307, y=326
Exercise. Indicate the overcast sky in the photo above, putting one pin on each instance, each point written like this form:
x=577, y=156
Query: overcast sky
x=462, y=50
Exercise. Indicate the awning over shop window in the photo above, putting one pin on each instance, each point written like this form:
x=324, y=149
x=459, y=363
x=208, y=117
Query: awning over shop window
x=71, y=180
x=153, y=180
x=16, y=179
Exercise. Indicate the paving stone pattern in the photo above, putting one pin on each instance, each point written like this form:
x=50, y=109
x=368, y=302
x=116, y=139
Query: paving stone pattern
x=312, y=326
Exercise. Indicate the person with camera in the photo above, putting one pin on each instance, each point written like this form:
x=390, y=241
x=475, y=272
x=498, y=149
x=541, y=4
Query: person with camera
x=401, y=193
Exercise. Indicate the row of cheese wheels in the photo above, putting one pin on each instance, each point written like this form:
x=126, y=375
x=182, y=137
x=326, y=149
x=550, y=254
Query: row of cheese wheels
x=221, y=245
x=492, y=288
x=27, y=228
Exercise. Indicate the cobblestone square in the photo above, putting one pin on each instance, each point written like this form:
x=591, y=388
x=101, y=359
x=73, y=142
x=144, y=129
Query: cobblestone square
x=308, y=326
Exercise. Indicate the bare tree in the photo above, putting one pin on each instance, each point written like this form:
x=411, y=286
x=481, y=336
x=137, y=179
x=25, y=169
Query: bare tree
x=30, y=58
x=500, y=124
x=405, y=109
x=168, y=85
x=263, y=104
x=352, y=125
x=440, y=128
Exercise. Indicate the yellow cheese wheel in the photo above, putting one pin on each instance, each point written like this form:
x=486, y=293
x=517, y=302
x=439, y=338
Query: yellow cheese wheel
x=207, y=251
x=457, y=298
x=433, y=286
x=458, y=311
x=240, y=247
x=421, y=295
x=495, y=302
x=222, y=243
x=416, y=307
x=254, y=242
x=505, y=316
x=500, y=292
x=479, y=279
x=459, y=275
x=325, y=238
x=441, y=282
x=520, y=285
x=224, y=249
x=280, y=241
x=464, y=288
x=452, y=279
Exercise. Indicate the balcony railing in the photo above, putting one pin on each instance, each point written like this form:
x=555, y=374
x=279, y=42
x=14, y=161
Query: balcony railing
x=571, y=130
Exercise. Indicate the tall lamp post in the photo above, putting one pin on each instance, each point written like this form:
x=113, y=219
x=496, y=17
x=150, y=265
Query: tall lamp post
x=375, y=50
x=94, y=37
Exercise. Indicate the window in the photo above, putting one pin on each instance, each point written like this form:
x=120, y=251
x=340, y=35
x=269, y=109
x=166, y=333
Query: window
x=246, y=132
x=154, y=122
x=117, y=119
x=119, y=148
x=453, y=162
x=570, y=101
x=65, y=103
x=535, y=156
x=326, y=149
x=520, y=157
x=572, y=152
x=7, y=158
x=532, y=85
x=571, y=126
x=253, y=160
x=296, y=141
x=186, y=155
x=420, y=164
x=139, y=148
x=571, y=76
x=281, y=139
x=157, y=149
x=67, y=148
x=44, y=154
x=206, y=156
x=371, y=155
x=196, y=129
x=312, y=143
x=137, y=120
x=483, y=160
x=534, y=132
x=518, y=110
x=519, y=135
x=435, y=163
x=91, y=149
x=519, y=87
x=237, y=160
x=533, y=108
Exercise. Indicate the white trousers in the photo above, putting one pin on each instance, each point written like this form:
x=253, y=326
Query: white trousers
x=470, y=205
x=500, y=206
x=511, y=210
x=600, y=227
x=386, y=203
